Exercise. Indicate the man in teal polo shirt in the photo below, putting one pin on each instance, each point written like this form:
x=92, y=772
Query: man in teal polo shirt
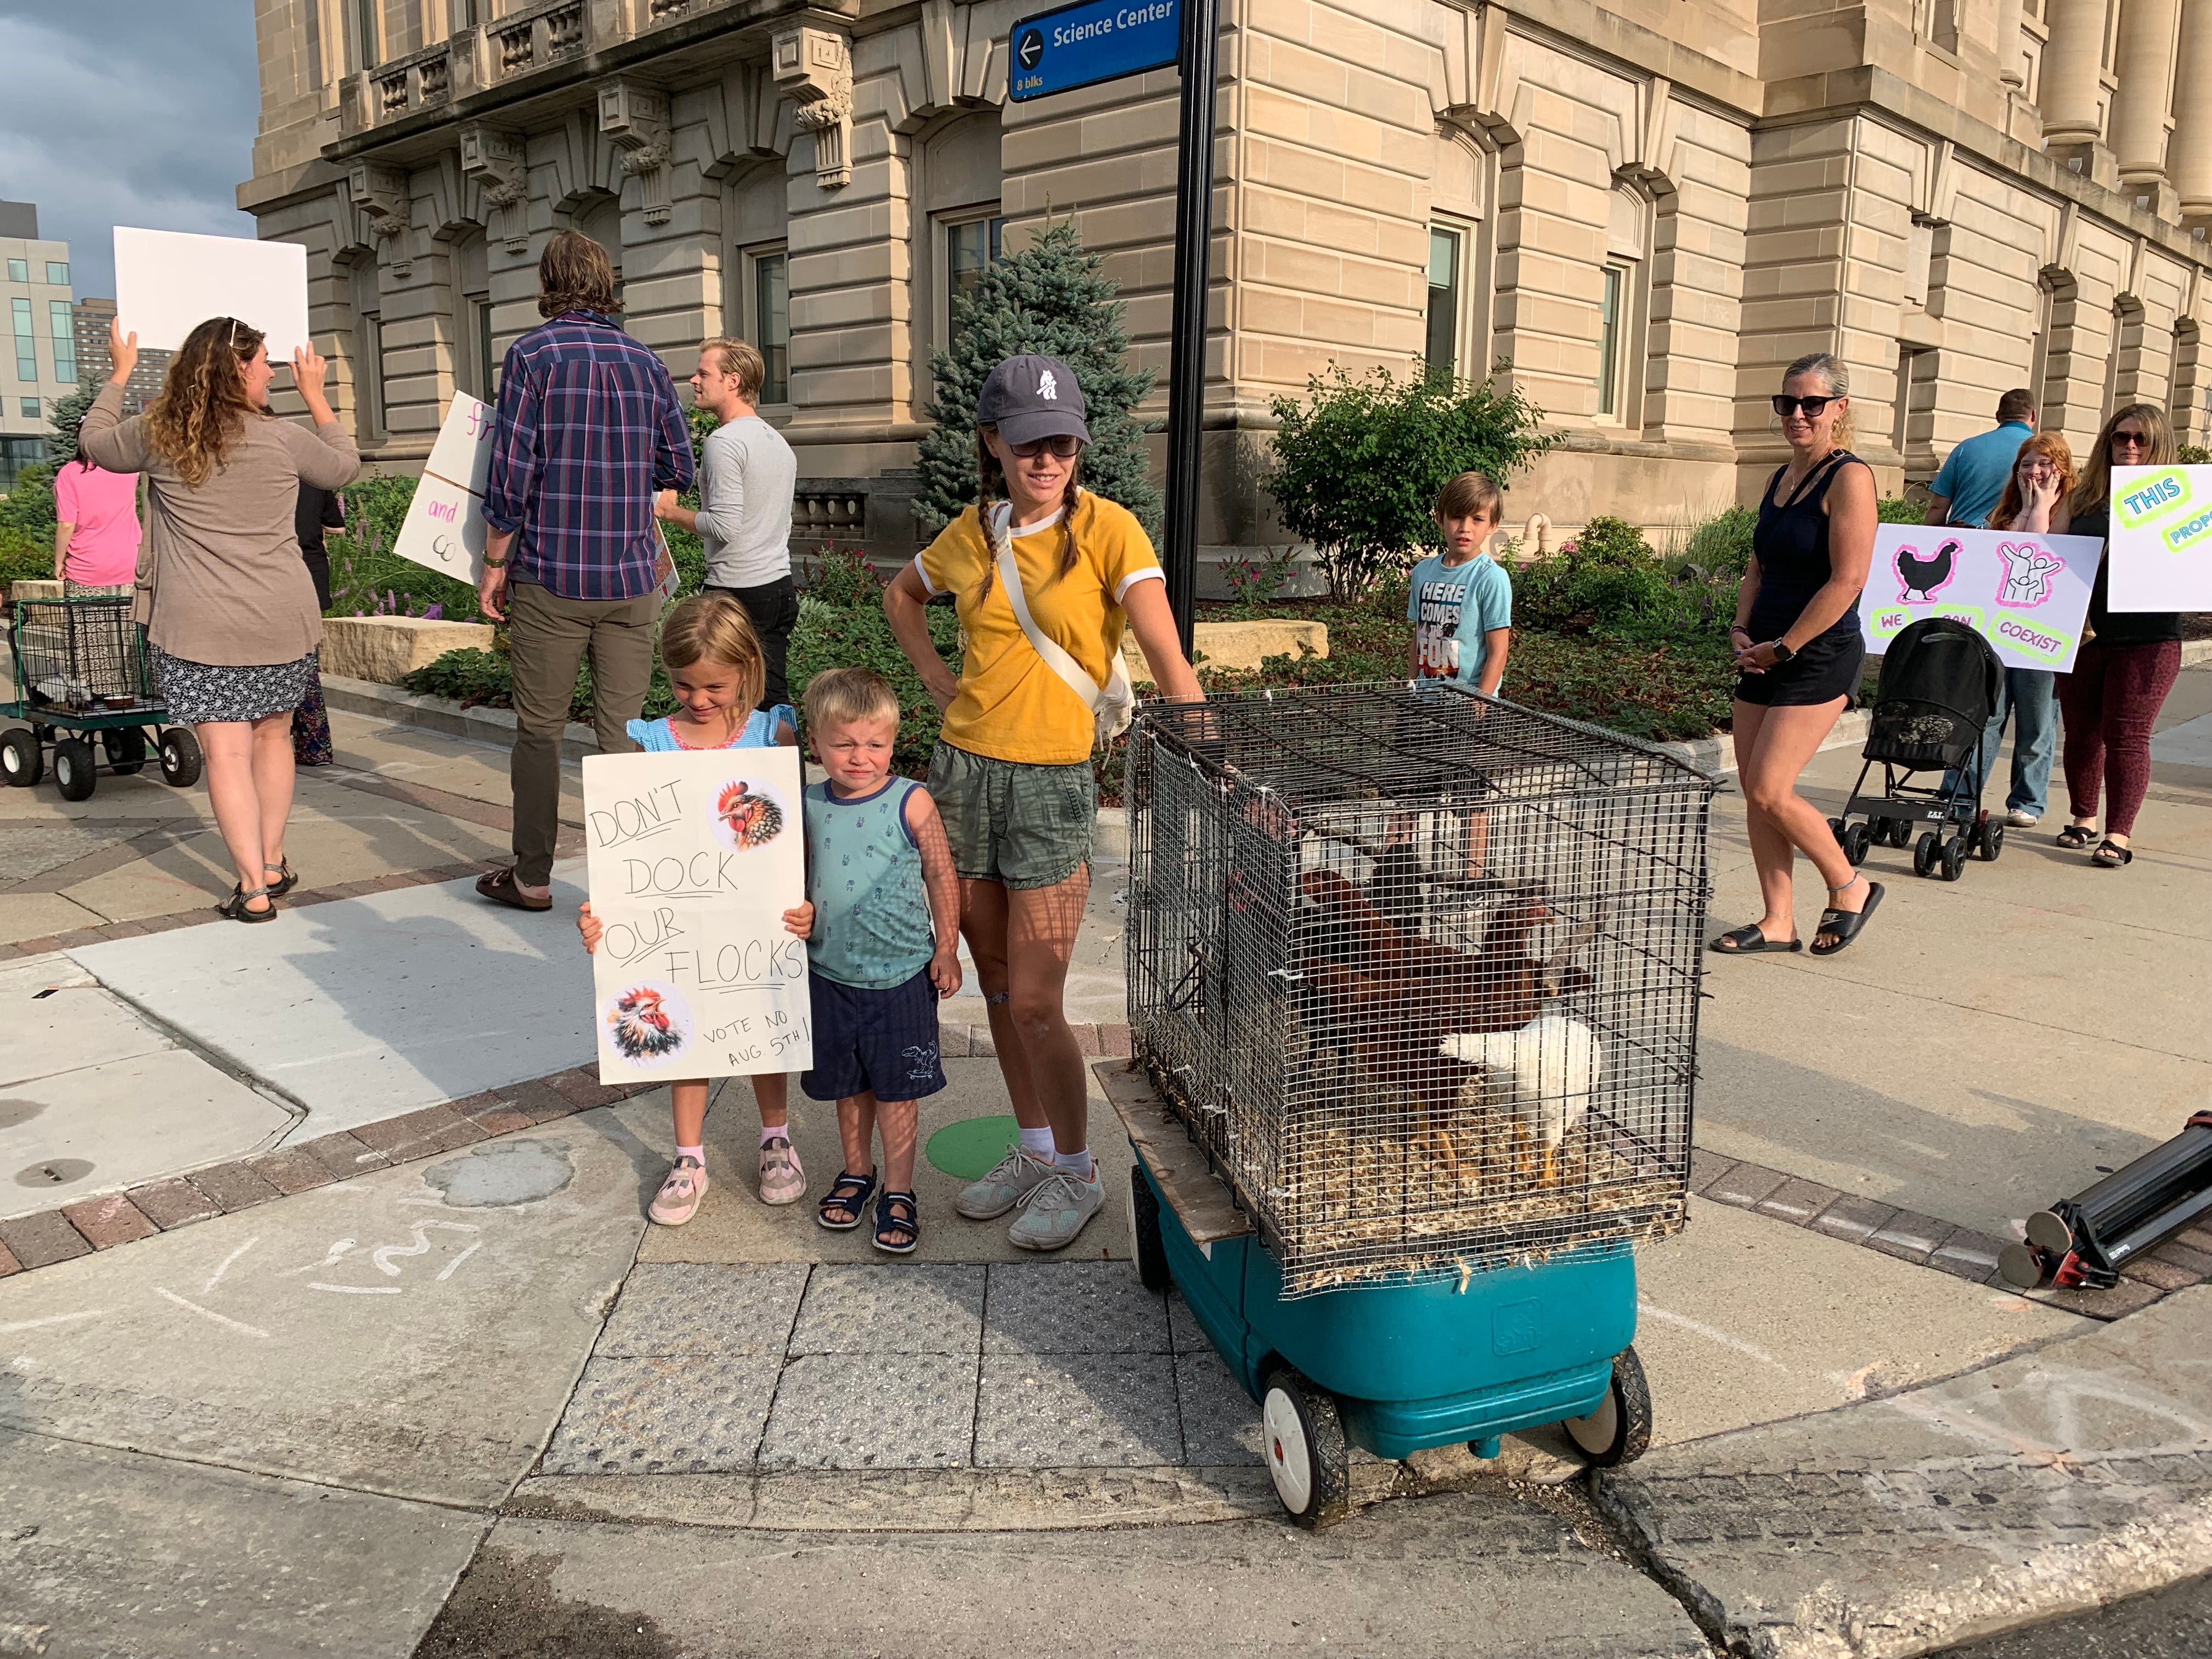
x=1965, y=493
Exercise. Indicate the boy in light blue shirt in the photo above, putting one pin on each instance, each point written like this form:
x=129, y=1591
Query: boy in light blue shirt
x=1462, y=600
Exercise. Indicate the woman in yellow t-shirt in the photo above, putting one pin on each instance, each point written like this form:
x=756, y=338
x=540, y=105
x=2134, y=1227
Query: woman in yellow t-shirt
x=1011, y=775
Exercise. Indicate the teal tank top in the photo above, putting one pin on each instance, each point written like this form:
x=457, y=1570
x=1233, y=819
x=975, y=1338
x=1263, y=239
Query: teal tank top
x=864, y=873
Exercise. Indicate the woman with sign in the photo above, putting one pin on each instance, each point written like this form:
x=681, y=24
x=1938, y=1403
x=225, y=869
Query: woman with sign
x=2128, y=662
x=1798, y=654
x=234, y=623
x=1045, y=576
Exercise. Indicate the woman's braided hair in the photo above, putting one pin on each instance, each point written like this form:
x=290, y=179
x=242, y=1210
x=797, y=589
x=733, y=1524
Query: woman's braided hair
x=991, y=485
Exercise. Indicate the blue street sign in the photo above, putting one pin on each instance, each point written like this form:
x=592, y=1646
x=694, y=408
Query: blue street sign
x=1093, y=40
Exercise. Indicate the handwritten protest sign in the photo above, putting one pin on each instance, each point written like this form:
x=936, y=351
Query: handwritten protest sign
x=444, y=529
x=168, y=283
x=2161, y=539
x=694, y=857
x=2026, y=593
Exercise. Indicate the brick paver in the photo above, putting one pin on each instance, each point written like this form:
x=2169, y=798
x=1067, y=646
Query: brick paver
x=109, y=1221
x=234, y=1187
x=173, y=1202
x=40, y=1240
x=291, y=1169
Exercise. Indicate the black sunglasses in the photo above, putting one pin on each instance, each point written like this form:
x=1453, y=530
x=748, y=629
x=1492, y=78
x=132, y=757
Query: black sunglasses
x=1064, y=445
x=2133, y=439
x=1786, y=405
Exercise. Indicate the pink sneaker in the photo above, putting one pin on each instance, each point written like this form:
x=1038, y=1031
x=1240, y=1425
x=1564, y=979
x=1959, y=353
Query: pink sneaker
x=782, y=1180
x=678, y=1200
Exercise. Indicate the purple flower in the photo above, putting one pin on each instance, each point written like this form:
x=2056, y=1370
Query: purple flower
x=436, y=613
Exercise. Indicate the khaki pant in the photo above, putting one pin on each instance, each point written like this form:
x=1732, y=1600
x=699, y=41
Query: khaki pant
x=547, y=637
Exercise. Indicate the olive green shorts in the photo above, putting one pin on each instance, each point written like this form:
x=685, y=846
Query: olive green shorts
x=1008, y=822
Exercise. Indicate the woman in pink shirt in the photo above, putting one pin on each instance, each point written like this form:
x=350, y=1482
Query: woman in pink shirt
x=95, y=529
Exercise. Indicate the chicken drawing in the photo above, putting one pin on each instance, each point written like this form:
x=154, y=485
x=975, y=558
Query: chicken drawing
x=1542, y=1077
x=643, y=1026
x=1918, y=578
x=752, y=820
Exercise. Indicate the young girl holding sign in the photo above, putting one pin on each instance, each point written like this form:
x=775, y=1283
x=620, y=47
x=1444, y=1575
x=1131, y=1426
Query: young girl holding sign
x=715, y=664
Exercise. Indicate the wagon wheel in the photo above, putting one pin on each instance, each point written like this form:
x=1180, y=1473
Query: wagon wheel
x=181, y=758
x=76, y=775
x=1144, y=1231
x=1620, y=1429
x=1306, y=1454
x=21, y=761
x=126, y=750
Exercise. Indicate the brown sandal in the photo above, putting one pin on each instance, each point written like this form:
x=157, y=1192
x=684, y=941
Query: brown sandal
x=499, y=886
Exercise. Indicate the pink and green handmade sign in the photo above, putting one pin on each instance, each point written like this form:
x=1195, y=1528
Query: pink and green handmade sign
x=2161, y=553
x=2025, y=593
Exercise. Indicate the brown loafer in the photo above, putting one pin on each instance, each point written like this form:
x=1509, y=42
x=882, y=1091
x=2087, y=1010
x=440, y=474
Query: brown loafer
x=499, y=887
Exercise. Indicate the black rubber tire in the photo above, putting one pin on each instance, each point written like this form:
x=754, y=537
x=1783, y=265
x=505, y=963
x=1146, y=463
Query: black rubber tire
x=1620, y=1431
x=22, y=762
x=76, y=773
x=1302, y=1440
x=1953, y=863
x=1836, y=828
x=1925, y=853
x=1900, y=832
x=1857, y=838
x=126, y=750
x=1144, y=1231
x=181, y=759
x=1989, y=845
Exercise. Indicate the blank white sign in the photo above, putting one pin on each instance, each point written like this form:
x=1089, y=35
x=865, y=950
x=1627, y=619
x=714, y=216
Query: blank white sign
x=168, y=283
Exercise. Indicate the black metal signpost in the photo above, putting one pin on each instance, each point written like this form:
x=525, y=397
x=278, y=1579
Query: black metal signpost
x=1095, y=41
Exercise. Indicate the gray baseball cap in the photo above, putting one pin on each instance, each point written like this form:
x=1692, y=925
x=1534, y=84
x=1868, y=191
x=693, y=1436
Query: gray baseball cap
x=1030, y=397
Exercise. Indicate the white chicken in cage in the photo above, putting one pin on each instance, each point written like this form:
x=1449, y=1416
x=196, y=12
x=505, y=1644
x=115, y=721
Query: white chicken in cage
x=1543, y=1076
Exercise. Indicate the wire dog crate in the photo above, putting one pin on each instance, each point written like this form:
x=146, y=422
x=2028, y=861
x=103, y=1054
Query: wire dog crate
x=1420, y=969
x=82, y=657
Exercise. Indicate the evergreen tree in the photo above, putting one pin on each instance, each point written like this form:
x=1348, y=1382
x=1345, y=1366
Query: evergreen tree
x=69, y=413
x=1051, y=298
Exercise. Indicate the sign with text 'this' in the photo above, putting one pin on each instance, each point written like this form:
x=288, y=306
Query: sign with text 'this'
x=2161, y=547
x=1093, y=40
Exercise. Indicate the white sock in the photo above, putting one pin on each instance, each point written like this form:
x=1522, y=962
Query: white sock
x=1076, y=1164
x=1037, y=1143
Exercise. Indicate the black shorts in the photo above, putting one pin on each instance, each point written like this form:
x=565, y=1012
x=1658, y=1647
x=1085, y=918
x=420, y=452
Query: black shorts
x=884, y=1042
x=1827, y=669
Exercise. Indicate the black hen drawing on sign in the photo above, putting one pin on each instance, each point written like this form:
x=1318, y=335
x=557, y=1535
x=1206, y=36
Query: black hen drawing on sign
x=1919, y=578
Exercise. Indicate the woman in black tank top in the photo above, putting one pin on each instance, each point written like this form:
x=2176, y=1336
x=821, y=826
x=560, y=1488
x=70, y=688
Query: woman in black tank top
x=1798, y=652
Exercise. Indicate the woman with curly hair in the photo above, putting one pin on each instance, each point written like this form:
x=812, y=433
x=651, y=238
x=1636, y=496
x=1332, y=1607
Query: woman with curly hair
x=232, y=620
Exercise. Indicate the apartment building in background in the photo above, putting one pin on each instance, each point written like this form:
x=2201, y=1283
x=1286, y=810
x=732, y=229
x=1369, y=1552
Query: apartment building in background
x=1640, y=209
x=38, y=362
x=96, y=363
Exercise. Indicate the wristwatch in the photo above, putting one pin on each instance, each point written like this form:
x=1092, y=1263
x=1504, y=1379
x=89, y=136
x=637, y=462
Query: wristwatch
x=1782, y=651
x=490, y=564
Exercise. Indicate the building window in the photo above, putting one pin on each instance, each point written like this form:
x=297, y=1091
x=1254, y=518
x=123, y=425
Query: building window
x=464, y=14
x=30, y=408
x=58, y=272
x=1621, y=310
x=26, y=355
x=771, y=322
x=63, y=325
x=1613, y=341
x=1447, y=301
x=19, y=270
x=365, y=34
x=314, y=19
x=487, y=364
x=370, y=336
x=16, y=454
x=970, y=248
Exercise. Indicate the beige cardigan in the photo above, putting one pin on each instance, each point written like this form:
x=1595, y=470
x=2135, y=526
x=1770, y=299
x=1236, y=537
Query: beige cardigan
x=220, y=564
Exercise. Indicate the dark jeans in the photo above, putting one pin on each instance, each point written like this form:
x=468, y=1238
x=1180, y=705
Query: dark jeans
x=774, y=609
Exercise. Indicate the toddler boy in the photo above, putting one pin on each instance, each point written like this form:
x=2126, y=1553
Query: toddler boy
x=1462, y=603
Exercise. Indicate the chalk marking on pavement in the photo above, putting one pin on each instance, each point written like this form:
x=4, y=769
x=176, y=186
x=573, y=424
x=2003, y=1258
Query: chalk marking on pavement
x=51, y=1319
x=215, y=1278
x=337, y=1251
x=210, y=1313
x=382, y=1256
x=446, y=1272
x=1712, y=1334
x=356, y=1290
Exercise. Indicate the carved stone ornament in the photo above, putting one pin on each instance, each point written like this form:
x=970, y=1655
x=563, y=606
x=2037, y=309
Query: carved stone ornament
x=636, y=118
x=381, y=193
x=494, y=160
x=813, y=68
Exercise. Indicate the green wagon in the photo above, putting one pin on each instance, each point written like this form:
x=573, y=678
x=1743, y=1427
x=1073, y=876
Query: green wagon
x=85, y=688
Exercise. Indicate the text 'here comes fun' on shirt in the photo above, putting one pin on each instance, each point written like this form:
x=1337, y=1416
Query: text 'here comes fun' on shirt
x=1451, y=607
x=1012, y=706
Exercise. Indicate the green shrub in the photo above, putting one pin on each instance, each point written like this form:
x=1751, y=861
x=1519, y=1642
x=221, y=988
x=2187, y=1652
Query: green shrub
x=2192, y=455
x=843, y=577
x=1605, y=580
x=1898, y=509
x=1358, y=466
x=1718, y=547
x=470, y=677
x=28, y=505
x=26, y=556
x=61, y=424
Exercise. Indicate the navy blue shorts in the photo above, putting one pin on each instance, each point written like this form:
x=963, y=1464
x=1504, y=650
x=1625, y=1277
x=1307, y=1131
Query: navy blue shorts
x=880, y=1041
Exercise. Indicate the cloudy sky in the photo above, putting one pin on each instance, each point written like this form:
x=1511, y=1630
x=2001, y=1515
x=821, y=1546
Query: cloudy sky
x=126, y=112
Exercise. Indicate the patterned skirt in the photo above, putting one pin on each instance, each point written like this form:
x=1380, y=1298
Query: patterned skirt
x=198, y=692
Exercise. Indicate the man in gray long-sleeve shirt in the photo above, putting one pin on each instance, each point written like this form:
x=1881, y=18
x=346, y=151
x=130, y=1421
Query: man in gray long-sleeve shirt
x=746, y=477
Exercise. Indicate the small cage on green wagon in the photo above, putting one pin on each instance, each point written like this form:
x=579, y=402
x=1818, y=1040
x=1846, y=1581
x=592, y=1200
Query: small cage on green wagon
x=1419, y=969
x=83, y=656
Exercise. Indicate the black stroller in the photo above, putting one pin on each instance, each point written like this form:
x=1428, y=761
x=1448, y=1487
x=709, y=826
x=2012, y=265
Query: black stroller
x=1939, y=687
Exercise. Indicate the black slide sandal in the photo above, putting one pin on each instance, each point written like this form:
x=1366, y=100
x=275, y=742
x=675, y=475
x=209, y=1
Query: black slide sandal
x=1846, y=924
x=2111, y=855
x=2076, y=836
x=1748, y=941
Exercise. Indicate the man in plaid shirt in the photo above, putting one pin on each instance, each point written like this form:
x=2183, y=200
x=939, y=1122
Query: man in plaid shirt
x=589, y=432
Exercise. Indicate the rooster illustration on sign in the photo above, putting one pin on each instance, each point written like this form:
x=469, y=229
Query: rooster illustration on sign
x=1920, y=578
x=751, y=819
x=644, y=1026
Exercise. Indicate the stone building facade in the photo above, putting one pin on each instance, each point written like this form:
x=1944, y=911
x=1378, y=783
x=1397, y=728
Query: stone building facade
x=1641, y=209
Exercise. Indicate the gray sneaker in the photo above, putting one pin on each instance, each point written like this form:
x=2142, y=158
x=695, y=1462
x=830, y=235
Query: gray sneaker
x=2021, y=818
x=1056, y=1211
x=1005, y=1184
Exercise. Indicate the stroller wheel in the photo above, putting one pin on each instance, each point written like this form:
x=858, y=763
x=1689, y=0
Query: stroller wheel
x=1925, y=853
x=1900, y=832
x=1953, y=858
x=1836, y=828
x=1990, y=842
x=1857, y=838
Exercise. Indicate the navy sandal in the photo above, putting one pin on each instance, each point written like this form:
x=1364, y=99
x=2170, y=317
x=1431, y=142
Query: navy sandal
x=1846, y=924
x=898, y=1235
x=850, y=1193
x=1748, y=941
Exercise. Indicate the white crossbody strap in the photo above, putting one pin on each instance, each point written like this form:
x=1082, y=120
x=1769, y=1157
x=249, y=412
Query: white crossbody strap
x=1112, y=705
